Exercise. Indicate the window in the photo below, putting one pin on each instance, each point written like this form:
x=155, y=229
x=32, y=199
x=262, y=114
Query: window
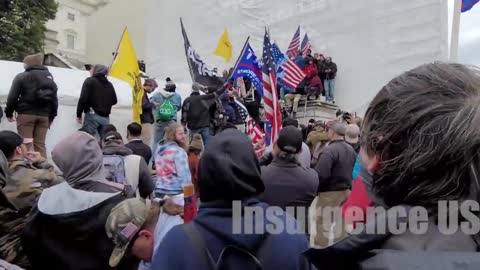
x=71, y=17
x=70, y=41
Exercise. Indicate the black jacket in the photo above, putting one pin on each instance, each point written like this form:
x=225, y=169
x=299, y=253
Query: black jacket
x=289, y=184
x=97, y=94
x=196, y=109
x=335, y=165
x=22, y=97
x=331, y=66
x=147, y=111
x=141, y=149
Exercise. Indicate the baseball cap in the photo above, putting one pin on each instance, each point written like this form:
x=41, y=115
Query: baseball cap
x=290, y=140
x=9, y=140
x=352, y=133
x=338, y=127
x=124, y=222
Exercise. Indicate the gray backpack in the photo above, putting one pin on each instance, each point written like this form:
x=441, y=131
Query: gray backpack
x=122, y=170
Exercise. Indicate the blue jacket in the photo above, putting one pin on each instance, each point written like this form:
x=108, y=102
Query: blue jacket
x=214, y=222
x=175, y=98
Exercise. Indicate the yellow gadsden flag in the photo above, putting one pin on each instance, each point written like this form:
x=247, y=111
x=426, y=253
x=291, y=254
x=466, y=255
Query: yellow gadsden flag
x=125, y=67
x=224, y=47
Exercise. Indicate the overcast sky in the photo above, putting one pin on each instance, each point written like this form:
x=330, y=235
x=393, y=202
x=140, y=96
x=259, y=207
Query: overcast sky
x=469, y=40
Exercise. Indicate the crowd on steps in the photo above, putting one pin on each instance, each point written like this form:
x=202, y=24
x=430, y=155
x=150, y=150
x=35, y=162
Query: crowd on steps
x=195, y=192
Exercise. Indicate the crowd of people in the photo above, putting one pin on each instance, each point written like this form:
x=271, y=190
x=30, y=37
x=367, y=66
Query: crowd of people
x=320, y=74
x=114, y=204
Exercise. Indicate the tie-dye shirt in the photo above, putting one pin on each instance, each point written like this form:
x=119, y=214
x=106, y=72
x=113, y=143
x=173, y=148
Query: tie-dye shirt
x=171, y=163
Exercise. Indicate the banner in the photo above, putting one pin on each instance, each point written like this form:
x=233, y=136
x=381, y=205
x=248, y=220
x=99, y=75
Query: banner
x=199, y=71
x=224, y=47
x=248, y=66
x=125, y=67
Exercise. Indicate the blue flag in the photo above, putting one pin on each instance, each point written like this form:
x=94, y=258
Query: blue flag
x=468, y=4
x=248, y=66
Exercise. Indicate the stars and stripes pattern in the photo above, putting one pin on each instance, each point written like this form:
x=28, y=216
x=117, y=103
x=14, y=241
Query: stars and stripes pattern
x=270, y=98
x=306, y=45
x=252, y=128
x=292, y=50
x=288, y=73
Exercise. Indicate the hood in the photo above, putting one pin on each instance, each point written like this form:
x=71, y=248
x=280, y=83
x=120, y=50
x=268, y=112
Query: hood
x=116, y=149
x=165, y=144
x=100, y=70
x=80, y=158
x=228, y=169
x=3, y=170
x=166, y=94
x=36, y=68
x=216, y=218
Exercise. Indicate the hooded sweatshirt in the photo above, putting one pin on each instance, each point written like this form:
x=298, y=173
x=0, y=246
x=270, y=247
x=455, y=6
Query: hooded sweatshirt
x=97, y=94
x=171, y=162
x=174, y=98
x=80, y=159
x=221, y=169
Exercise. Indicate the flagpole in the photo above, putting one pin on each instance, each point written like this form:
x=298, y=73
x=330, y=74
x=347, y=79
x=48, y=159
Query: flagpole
x=241, y=53
x=118, y=46
x=455, y=31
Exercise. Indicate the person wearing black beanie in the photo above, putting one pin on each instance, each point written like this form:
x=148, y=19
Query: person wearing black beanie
x=228, y=169
x=229, y=183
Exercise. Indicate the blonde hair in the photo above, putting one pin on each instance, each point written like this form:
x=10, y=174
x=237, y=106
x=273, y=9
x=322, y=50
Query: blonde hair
x=170, y=133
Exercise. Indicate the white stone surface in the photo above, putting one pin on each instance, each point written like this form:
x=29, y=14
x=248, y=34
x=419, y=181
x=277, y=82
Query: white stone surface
x=371, y=41
x=69, y=86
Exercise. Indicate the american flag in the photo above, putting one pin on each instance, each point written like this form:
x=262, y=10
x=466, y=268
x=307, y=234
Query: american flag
x=306, y=45
x=252, y=128
x=292, y=50
x=270, y=98
x=288, y=72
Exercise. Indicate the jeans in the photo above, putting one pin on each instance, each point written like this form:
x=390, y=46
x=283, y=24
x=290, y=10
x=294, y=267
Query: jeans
x=159, y=133
x=34, y=127
x=95, y=123
x=329, y=89
x=204, y=132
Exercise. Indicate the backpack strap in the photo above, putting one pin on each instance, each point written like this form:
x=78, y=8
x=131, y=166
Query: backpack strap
x=199, y=243
x=201, y=248
x=116, y=185
x=132, y=172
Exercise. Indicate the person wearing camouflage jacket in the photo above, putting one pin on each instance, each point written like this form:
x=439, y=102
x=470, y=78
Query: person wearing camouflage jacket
x=29, y=173
x=27, y=181
x=12, y=222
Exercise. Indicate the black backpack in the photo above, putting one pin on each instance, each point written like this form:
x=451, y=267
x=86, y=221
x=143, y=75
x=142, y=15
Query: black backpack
x=202, y=250
x=44, y=93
